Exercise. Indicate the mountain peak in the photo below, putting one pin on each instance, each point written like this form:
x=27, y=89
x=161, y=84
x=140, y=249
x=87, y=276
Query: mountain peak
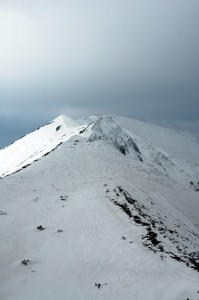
x=106, y=127
x=137, y=140
x=66, y=121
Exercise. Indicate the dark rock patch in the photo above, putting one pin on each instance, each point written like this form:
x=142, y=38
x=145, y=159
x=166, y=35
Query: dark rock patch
x=58, y=127
x=158, y=230
x=3, y=213
x=40, y=228
x=25, y=261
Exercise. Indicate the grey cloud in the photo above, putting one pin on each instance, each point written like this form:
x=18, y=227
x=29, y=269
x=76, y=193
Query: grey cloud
x=134, y=58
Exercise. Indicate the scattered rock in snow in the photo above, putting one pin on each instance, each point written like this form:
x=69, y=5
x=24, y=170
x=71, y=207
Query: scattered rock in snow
x=58, y=127
x=158, y=230
x=195, y=186
x=64, y=198
x=25, y=261
x=3, y=213
x=98, y=285
x=40, y=227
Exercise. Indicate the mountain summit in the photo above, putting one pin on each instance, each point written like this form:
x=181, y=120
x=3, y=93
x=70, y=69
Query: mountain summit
x=100, y=209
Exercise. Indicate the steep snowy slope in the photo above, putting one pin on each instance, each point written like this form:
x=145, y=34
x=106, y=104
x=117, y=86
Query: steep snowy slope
x=121, y=133
x=109, y=129
x=36, y=144
x=111, y=215
x=178, y=143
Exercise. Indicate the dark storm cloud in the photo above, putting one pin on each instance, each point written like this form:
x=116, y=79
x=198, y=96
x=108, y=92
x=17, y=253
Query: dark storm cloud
x=134, y=58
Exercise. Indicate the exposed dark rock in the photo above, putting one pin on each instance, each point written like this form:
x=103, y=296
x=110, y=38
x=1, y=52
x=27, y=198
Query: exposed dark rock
x=64, y=198
x=124, y=207
x=58, y=127
x=40, y=227
x=152, y=237
x=157, y=229
x=25, y=262
x=122, y=149
x=3, y=213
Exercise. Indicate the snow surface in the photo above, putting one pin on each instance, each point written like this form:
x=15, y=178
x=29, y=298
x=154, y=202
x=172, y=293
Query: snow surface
x=179, y=143
x=36, y=144
x=106, y=202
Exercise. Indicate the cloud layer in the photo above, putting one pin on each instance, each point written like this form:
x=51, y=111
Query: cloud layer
x=134, y=58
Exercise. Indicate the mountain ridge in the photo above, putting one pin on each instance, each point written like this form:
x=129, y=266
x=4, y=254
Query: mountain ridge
x=47, y=138
x=106, y=216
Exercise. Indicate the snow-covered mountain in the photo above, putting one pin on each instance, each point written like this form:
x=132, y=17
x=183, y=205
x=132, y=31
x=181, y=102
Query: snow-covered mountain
x=102, y=209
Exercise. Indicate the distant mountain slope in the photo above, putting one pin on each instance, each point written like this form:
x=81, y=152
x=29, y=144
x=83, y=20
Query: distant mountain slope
x=179, y=143
x=140, y=140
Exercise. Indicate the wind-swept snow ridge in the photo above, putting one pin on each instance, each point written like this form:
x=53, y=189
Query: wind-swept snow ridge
x=36, y=144
x=109, y=129
x=117, y=132
x=179, y=143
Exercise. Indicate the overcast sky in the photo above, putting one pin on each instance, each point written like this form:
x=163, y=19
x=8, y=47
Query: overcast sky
x=137, y=58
